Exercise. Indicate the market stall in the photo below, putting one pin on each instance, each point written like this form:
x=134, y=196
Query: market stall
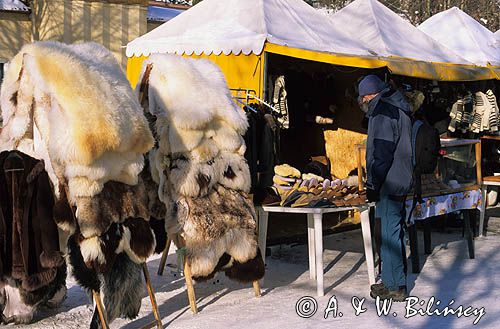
x=238, y=35
x=294, y=70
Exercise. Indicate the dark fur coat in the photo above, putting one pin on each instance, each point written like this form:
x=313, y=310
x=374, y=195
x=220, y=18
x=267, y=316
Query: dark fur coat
x=29, y=240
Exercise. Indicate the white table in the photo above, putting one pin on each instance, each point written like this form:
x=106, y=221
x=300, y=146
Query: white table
x=315, y=237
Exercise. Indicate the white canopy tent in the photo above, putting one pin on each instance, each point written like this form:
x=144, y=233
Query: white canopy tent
x=13, y=5
x=463, y=34
x=243, y=26
x=231, y=32
x=387, y=34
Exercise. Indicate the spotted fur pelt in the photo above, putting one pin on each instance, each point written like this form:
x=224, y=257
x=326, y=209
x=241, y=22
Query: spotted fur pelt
x=198, y=164
x=221, y=222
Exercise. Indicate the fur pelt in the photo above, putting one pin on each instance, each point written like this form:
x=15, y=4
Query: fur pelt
x=221, y=222
x=114, y=204
x=86, y=84
x=190, y=93
x=121, y=286
x=133, y=237
x=73, y=107
x=199, y=166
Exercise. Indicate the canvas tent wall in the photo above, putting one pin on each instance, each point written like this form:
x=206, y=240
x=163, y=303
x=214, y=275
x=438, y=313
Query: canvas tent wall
x=237, y=34
x=462, y=33
x=386, y=34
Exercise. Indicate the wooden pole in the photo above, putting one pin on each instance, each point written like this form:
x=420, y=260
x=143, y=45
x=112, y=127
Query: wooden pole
x=360, y=168
x=151, y=293
x=190, y=288
x=256, y=288
x=478, y=164
x=100, y=309
x=164, y=257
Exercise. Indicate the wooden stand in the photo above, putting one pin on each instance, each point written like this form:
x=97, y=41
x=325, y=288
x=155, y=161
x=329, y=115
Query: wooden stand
x=189, y=279
x=156, y=323
x=164, y=255
x=190, y=287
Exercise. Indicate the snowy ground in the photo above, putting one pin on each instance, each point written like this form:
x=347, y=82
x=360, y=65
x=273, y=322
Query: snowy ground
x=447, y=274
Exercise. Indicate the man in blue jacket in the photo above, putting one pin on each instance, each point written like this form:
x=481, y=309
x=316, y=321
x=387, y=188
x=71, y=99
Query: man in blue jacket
x=389, y=177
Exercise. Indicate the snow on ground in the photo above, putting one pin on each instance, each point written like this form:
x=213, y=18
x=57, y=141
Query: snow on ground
x=446, y=274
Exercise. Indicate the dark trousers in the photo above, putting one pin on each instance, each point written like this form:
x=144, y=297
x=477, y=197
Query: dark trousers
x=392, y=214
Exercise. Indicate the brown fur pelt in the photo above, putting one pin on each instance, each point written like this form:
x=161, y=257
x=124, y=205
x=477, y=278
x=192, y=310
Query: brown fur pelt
x=155, y=206
x=221, y=222
x=134, y=237
x=116, y=203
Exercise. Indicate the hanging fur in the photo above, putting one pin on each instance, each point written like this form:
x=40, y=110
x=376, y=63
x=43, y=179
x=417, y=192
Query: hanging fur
x=18, y=304
x=221, y=222
x=190, y=93
x=73, y=107
x=121, y=286
x=116, y=203
x=199, y=166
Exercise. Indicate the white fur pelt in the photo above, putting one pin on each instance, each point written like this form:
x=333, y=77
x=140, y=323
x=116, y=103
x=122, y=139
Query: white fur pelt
x=191, y=93
x=198, y=164
x=89, y=125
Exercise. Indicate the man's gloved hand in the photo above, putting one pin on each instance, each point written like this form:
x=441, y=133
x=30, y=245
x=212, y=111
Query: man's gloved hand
x=372, y=195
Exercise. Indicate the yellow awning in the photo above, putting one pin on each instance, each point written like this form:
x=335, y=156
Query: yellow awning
x=400, y=66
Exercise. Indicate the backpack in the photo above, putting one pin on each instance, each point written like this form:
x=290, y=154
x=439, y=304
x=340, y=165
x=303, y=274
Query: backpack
x=426, y=146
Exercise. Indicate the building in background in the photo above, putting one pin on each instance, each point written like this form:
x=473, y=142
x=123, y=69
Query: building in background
x=112, y=23
x=15, y=29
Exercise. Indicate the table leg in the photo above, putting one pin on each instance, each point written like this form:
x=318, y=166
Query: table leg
x=415, y=259
x=427, y=237
x=483, y=210
x=367, y=240
x=318, y=241
x=310, y=246
x=263, y=219
x=468, y=233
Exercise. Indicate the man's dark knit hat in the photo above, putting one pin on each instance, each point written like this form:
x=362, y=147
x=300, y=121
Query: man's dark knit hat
x=371, y=84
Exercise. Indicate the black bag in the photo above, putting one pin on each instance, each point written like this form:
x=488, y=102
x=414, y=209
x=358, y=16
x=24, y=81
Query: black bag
x=426, y=145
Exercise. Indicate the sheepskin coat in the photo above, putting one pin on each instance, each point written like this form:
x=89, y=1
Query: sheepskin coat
x=203, y=179
x=29, y=241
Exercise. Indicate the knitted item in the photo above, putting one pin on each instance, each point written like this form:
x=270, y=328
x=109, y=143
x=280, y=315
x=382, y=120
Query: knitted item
x=467, y=115
x=280, y=102
x=494, y=118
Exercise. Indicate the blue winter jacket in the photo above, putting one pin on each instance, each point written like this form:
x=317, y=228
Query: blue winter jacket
x=388, y=150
